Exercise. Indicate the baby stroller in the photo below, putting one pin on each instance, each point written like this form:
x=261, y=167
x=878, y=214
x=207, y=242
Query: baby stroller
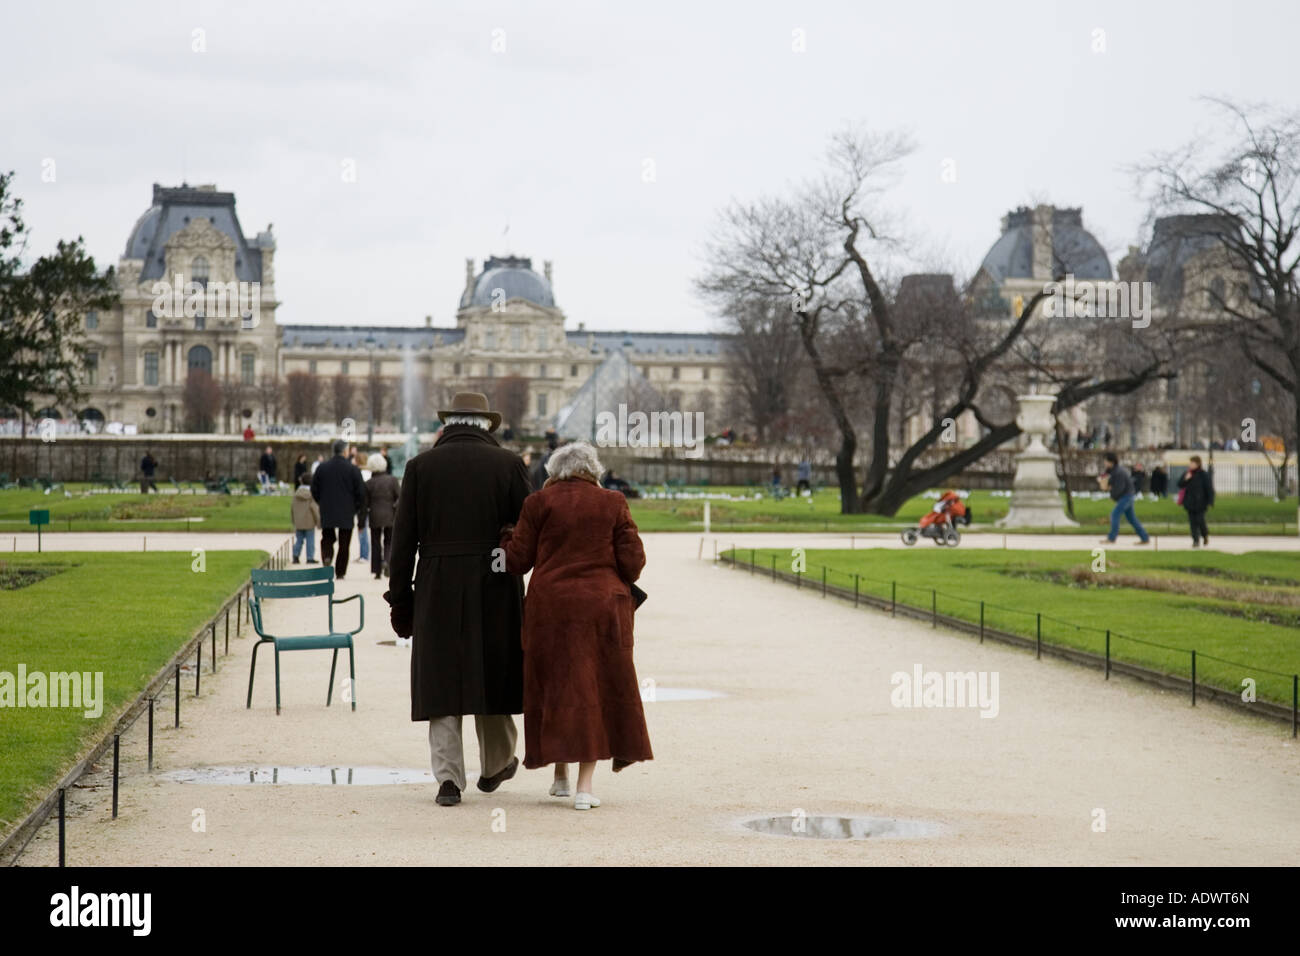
x=940, y=523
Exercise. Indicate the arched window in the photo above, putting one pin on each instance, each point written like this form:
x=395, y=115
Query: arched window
x=1216, y=292
x=200, y=357
x=199, y=271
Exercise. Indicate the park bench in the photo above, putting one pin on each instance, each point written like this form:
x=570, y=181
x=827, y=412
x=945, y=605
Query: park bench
x=48, y=483
x=251, y=487
x=296, y=584
x=26, y=482
x=217, y=486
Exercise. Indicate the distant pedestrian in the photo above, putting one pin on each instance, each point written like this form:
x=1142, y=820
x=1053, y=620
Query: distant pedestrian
x=266, y=469
x=248, y=433
x=148, y=467
x=1196, y=494
x=804, y=476
x=537, y=474
x=338, y=489
x=1118, y=482
x=1159, y=481
x=320, y=460
x=300, y=468
x=306, y=519
x=382, y=494
x=1139, y=478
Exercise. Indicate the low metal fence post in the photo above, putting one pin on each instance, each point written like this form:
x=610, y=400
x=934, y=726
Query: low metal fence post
x=1295, y=702
x=198, y=669
x=753, y=560
x=178, y=695
x=63, y=816
x=855, y=590
x=823, y=580
x=934, y=608
x=214, y=646
x=981, y=622
x=1193, y=678
x=893, y=598
x=227, y=629
x=151, y=701
x=774, y=567
x=117, y=748
x=1038, y=640
x=1107, y=653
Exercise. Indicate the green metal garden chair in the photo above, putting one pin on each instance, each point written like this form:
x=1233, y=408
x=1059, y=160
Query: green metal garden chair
x=302, y=583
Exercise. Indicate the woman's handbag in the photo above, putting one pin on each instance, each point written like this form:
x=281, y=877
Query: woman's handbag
x=1182, y=493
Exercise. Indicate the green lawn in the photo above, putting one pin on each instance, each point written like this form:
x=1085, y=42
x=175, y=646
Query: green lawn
x=122, y=614
x=1244, y=514
x=1239, y=608
x=130, y=511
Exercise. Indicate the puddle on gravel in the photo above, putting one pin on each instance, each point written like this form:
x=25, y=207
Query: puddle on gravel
x=309, y=776
x=843, y=828
x=654, y=694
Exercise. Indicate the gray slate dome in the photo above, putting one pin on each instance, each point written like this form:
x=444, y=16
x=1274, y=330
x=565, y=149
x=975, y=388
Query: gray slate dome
x=1073, y=246
x=515, y=278
x=172, y=210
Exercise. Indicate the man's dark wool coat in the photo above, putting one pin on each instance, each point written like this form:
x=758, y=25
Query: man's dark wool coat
x=465, y=615
x=340, y=492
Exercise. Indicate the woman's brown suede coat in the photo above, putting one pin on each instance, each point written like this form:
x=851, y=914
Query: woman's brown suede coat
x=582, y=700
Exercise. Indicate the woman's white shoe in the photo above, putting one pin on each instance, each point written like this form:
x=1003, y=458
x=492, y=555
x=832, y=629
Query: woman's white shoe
x=585, y=801
x=560, y=788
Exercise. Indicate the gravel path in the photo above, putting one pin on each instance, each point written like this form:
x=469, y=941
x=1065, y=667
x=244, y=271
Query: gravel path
x=807, y=725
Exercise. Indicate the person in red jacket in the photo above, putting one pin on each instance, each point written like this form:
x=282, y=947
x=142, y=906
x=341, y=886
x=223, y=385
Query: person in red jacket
x=582, y=700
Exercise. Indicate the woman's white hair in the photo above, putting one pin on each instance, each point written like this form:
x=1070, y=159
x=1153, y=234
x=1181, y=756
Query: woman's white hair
x=478, y=421
x=575, y=458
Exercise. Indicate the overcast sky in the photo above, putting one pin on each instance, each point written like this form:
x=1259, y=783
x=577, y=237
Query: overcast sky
x=452, y=141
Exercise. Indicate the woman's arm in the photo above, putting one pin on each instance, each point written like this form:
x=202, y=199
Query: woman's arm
x=628, y=550
x=520, y=540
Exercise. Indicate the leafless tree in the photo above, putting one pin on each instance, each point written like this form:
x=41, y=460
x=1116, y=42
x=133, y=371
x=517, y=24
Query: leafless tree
x=234, y=394
x=1238, y=191
x=201, y=400
x=763, y=355
x=825, y=251
x=270, y=393
x=303, y=396
x=342, y=397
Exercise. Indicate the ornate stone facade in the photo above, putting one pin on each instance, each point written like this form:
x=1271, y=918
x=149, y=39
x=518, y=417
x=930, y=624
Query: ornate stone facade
x=509, y=341
x=195, y=294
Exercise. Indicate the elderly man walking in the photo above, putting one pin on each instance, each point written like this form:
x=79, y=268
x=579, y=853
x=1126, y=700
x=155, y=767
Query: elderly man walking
x=338, y=489
x=464, y=610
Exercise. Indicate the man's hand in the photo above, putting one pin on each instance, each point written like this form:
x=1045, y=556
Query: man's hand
x=402, y=616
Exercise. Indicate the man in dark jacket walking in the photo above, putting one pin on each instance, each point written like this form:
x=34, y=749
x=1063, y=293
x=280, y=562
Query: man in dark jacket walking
x=1197, y=494
x=464, y=611
x=341, y=494
x=148, y=468
x=1122, y=492
x=266, y=468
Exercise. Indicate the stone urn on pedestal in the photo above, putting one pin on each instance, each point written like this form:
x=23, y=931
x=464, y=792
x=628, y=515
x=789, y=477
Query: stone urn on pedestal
x=1036, y=490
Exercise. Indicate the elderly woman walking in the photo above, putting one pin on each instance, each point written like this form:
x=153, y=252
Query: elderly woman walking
x=582, y=701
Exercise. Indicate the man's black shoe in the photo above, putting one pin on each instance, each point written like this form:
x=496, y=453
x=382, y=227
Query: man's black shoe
x=448, y=794
x=488, y=784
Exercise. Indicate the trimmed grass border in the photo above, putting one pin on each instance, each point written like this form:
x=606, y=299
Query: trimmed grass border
x=884, y=595
x=17, y=839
